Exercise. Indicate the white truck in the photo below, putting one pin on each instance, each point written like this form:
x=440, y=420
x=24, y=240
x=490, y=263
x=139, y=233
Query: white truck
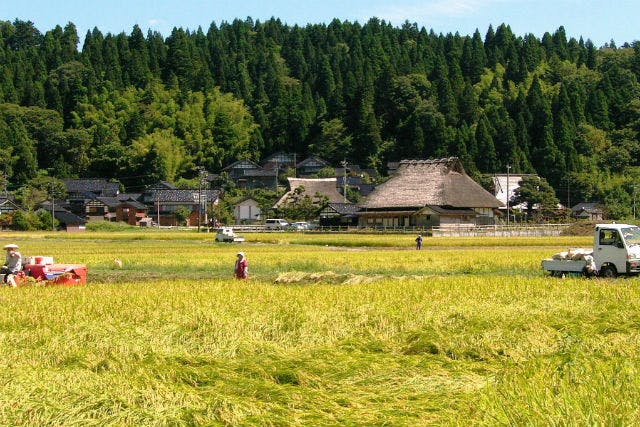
x=616, y=251
x=226, y=234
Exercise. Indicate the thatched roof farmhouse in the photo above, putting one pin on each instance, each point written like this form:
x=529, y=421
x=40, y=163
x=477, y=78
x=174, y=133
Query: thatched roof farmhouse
x=428, y=193
x=324, y=186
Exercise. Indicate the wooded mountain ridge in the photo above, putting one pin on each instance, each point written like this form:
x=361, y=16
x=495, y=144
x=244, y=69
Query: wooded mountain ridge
x=145, y=108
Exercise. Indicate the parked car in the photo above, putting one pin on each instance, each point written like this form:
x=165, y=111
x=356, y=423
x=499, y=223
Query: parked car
x=300, y=225
x=276, y=224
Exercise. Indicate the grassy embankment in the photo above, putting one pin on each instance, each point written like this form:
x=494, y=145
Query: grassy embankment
x=466, y=332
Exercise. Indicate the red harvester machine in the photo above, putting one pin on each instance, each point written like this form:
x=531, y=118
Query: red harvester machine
x=42, y=268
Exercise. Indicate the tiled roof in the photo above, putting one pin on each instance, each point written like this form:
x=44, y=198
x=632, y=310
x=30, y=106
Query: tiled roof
x=182, y=196
x=67, y=218
x=99, y=187
x=313, y=161
x=344, y=208
x=242, y=164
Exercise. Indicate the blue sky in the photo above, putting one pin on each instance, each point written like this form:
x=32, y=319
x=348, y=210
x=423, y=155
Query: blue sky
x=598, y=20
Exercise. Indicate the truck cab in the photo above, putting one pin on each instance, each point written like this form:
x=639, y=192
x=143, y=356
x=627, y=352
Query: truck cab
x=616, y=249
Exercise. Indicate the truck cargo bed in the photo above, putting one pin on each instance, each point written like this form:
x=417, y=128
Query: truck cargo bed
x=564, y=265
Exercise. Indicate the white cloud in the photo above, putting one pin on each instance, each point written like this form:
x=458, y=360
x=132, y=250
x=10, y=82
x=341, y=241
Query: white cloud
x=155, y=22
x=432, y=9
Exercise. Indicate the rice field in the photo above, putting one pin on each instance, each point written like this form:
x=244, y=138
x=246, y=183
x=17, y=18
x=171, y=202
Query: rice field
x=329, y=330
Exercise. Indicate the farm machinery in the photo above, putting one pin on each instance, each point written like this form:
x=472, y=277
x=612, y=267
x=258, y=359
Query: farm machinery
x=42, y=270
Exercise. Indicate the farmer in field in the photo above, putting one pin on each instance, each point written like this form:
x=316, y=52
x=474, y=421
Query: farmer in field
x=12, y=264
x=419, y=242
x=241, y=269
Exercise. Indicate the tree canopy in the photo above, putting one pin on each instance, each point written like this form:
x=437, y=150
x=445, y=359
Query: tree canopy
x=138, y=107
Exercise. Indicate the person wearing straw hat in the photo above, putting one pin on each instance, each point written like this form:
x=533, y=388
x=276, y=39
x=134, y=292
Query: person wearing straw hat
x=242, y=267
x=12, y=264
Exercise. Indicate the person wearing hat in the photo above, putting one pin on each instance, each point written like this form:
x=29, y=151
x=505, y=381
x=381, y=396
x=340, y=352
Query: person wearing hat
x=12, y=264
x=241, y=269
x=419, y=242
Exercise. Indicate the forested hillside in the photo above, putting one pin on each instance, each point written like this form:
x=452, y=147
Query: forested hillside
x=142, y=107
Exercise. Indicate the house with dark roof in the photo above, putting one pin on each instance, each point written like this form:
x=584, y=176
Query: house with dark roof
x=311, y=165
x=339, y=214
x=428, y=193
x=248, y=175
x=238, y=169
x=81, y=193
x=131, y=211
x=104, y=208
x=258, y=178
x=8, y=205
x=591, y=211
x=279, y=160
x=88, y=188
x=66, y=219
x=163, y=203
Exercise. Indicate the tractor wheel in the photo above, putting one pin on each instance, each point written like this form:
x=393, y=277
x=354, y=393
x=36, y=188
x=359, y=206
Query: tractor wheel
x=608, y=272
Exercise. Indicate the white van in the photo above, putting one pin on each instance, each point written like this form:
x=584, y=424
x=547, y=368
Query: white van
x=276, y=224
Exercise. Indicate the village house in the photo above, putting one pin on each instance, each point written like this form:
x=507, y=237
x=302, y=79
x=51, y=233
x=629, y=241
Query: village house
x=67, y=220
x=311, y=165
x=588, y=210
x=320, y=190
x=8, y=205
x=339, y=214
x=428, y=193
x=325, y=187
x=248, y=175
x=164, y=200
x=279, y=161
x=104, y=208
x=82, y=194
x=246, y=211
x=504, y=187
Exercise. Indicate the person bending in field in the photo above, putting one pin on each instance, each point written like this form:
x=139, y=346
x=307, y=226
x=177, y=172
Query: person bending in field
x=242, y=267
x=12, y=264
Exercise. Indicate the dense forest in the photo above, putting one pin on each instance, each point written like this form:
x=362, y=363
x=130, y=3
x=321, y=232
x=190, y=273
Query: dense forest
x=142, y=108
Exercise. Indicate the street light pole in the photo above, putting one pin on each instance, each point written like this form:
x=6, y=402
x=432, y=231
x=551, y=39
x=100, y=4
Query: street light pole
x=508, y=168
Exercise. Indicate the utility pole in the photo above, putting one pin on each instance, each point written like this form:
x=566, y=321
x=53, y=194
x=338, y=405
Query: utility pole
x=508, y=168
x=344, y=180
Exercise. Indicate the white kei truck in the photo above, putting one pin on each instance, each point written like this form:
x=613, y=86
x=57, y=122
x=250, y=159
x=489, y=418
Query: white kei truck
x=616, y=251
x=226, y=234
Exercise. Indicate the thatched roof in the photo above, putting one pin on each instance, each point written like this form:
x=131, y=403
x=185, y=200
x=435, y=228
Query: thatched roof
x=419, y=183
x=324, y=186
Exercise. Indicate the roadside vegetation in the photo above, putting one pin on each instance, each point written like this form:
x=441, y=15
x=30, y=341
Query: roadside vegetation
x=467, y=331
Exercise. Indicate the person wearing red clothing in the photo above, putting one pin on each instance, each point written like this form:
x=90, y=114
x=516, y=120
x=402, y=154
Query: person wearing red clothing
x=241, y=269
